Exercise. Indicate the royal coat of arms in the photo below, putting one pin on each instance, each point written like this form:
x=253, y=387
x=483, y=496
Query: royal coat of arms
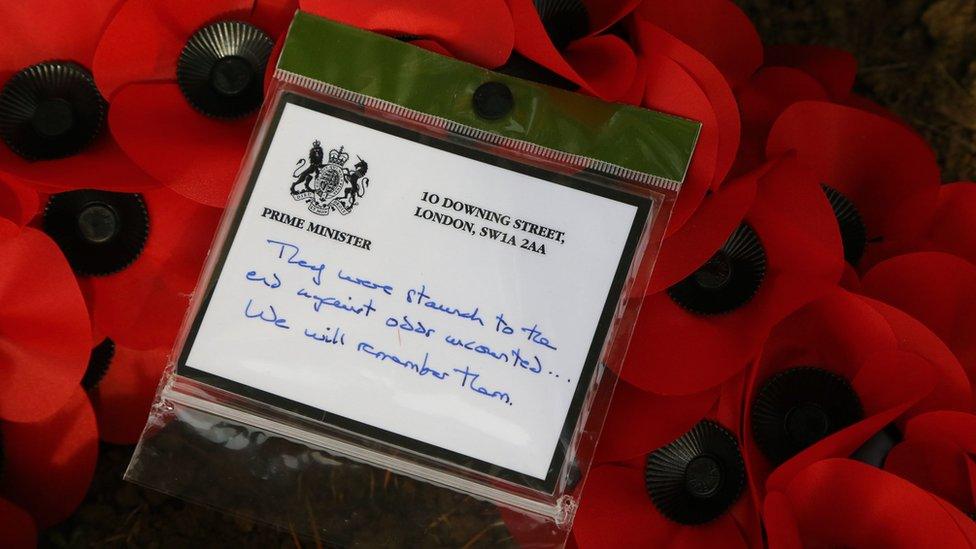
x=328, y=186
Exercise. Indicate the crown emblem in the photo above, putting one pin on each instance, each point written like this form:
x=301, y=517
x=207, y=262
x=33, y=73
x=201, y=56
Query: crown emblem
x=337, y=156
x=331, y=186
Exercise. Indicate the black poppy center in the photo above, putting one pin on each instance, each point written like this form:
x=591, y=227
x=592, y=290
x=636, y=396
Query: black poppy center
x=807, y=423
x=853, y=232
x=703, y=477
x=564, y=20
x=53, y=117
x=728, y=280
x=98, y=222
x=798, y=407
x=716, y=272
x=51, y=110
x=231, y=75
x=696, y=478
x=100, y=232
x=219, y=70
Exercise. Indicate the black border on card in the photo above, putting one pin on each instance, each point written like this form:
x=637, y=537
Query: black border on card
x=643, y=204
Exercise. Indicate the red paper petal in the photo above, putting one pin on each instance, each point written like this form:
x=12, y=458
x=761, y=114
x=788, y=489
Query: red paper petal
x=196, y=156
x=123, y=398
x=850, y=280
x=710, y=226
x=641, y=422
x=159, y=283
x=937, y=467
x=868, y=105
x=144, y=40
x=532, y=42
x=102, y=165
x=952, y=390
x=939, y=290
x=615, y=511
x=888, y=172
x=782, y=531
x=651, y=38
x=273, y=15
x=876, y=509
x=477, y=31
x=604, y=14
x=761, y=100
x=953, y=227
x=49, y=464
x=41, y=30
x=959, y=428
x=839, y=332
x=17, y=529
x=834, y=68
x=18, y=202
x=716, y=28
x=606, y=63
x=45, y=335
x=669, y=88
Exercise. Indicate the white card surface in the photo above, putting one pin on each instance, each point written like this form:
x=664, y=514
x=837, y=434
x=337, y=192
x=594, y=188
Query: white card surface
x=453, y=305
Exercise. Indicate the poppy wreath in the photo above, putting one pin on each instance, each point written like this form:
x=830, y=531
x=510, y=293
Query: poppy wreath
x=803, y=352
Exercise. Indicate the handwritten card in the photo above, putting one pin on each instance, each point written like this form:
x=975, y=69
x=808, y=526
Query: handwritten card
x=416, y=291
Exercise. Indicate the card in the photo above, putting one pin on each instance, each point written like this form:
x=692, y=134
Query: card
x=416, y=291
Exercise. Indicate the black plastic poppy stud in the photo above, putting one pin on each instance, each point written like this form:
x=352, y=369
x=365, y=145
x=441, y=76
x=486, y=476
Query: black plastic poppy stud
x=728, y=280
x=98, y=362
x=221, y=69
x=696, y=478
x=800, y=406
x=51, y=110
x=853, y=232
x=100, y=232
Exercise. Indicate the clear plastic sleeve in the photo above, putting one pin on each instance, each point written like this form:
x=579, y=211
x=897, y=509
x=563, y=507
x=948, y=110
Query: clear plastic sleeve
x=247, y=422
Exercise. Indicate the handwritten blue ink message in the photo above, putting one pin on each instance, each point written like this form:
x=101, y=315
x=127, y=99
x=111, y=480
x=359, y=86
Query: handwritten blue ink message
x=463, y=345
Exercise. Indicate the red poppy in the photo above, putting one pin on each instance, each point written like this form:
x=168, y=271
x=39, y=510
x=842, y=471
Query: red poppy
x=833, y=374
x=882, y=179
x=61, y=141
x=17, y=528
x=689, y=492
x=158, y=284
x=939, y=290
x=49, y=463
x=122, y=384
x=953, y=227
x=716, y=28
x=936, y=454
x=164, y=112
x=44, y=329
x=845, y=503
x=477, y=31
x=139, y=256
x=561, y=39
x=711, y=304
